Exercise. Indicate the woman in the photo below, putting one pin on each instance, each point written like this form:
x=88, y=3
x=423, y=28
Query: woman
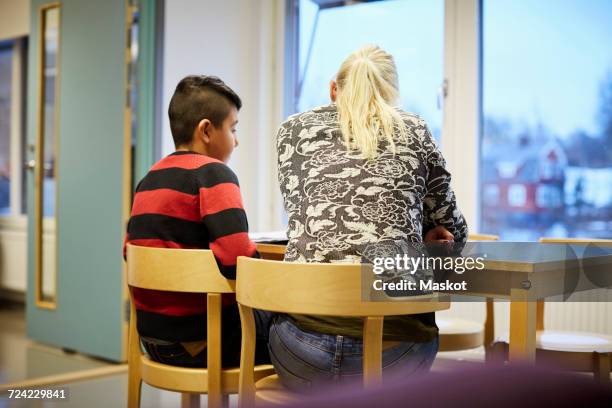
x=354, y=173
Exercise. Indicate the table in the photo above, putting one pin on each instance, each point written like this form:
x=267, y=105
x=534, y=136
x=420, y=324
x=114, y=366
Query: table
x=525, y=272
x=519, y=272
x=274, y=252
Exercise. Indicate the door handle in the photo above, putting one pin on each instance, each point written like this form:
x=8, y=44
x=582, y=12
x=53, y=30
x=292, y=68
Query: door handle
x=30, y=165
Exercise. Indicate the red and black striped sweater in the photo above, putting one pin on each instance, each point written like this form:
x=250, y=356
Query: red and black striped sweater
x=187, y=200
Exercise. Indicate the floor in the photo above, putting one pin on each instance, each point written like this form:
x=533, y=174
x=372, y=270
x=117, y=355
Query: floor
x=22, y=359
x=105, y=392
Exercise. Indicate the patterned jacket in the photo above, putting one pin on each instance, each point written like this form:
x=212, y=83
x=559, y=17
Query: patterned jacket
x=339, y=203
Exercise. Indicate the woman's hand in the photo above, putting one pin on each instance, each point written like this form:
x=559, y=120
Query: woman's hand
x=439, y=235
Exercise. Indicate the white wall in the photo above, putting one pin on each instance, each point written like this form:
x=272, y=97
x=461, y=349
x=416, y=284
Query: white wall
x=593, y=317
x=13, y=253
x=15, y=18
x=239, y=41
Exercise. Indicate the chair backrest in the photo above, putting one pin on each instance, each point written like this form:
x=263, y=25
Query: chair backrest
x=175, y=270
x=317, y=289
x=545, y=240
x=483, y=237
x=325, y=289
x=180, y=270
x=585, y=241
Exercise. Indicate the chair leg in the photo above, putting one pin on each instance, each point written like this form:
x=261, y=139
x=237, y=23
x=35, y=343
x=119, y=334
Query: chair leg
x=602, y=367
x=490, y=357
x=134, y=389
x=497, y=353
x=189, y=400
x=489, y=324
x=225, y=401
x=215, y=399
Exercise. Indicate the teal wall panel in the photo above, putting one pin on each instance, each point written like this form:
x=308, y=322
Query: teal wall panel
x=146, y=82
x=90, y=175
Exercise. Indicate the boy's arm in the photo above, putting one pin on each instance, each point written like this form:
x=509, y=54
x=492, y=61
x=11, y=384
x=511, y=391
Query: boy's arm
x=224, y=217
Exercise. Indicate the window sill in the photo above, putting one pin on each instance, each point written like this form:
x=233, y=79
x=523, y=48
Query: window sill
x=13, y=222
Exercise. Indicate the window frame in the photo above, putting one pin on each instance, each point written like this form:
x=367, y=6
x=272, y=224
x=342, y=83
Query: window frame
x=462, y=115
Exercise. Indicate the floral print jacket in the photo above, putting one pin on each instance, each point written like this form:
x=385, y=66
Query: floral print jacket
x=338, y=203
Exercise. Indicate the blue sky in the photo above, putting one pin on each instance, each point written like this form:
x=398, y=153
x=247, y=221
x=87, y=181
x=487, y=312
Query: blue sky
x=411, y=30
x=543, y=60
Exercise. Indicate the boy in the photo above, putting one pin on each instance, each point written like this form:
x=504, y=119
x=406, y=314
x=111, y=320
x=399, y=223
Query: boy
x=191, y=199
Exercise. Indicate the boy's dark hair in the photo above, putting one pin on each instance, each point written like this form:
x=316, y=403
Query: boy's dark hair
x=199, y=97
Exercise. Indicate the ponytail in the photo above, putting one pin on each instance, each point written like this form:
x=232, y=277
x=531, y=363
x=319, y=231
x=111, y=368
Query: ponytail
x=367, y=91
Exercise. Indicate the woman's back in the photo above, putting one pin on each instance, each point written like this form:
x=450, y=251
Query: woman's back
x=339, y=203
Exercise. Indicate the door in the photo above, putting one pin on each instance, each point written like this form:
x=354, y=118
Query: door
x=79, y=153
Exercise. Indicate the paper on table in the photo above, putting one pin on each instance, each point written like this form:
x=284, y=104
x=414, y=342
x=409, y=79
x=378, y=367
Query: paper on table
x=268, y=236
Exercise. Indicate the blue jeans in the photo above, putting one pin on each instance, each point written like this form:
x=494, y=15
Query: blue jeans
x=305, y=359
x=174, y=353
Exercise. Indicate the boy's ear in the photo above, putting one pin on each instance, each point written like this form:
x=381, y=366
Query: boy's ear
x=204, y=127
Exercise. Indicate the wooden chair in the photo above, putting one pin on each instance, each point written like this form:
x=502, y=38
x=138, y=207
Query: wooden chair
x=181, y=270
x=459, y=334
x=572, y=350
x=316, y=289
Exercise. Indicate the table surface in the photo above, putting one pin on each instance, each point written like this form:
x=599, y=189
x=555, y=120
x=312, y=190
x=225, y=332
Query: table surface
x=515, y=256
x=537, y=257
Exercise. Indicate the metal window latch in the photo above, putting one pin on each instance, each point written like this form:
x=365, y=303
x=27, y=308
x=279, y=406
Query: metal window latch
x=442, y=93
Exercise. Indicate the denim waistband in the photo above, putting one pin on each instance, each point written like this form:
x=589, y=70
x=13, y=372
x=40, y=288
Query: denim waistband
x=323, y=341
x=157, y=342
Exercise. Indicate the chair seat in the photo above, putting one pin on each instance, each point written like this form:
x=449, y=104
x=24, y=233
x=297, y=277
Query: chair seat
x=193, y=380
x=571, y=341
x=458, y=334
x=270, y=390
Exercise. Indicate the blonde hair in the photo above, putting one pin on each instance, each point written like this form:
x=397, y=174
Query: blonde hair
x=367, y=92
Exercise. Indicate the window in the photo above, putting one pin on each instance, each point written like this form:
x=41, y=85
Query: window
x=49, y=110
x=328, y=31
x=547, y=109
x=6, y=81
x=548, y=197
x=491, y=194
x=517, y=195
x=12, y=126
